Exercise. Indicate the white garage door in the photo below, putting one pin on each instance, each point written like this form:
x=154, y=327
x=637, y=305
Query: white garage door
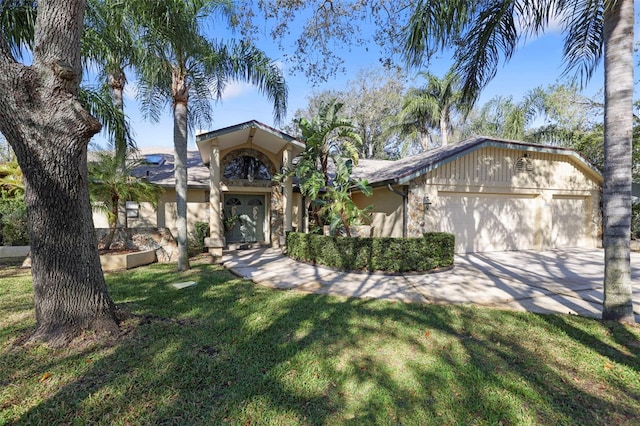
x=567, y=222
x=489, y=222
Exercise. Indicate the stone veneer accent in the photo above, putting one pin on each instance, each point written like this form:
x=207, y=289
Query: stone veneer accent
x=277, y=215
x=159, y=239
x=416, y=225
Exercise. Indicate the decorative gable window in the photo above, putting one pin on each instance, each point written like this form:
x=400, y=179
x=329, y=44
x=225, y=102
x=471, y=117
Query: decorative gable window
x=524, y=164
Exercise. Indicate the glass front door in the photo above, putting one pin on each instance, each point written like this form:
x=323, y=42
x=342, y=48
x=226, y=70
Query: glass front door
x=244, y=216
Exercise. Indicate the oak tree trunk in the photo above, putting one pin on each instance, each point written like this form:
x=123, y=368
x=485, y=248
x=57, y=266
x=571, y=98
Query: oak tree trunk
x=618, y=122
x=49, y=131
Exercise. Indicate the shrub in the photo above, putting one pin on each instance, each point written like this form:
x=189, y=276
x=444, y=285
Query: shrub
x=434, y=250
x=635, y=220
x=13, y=220
x=196, y=239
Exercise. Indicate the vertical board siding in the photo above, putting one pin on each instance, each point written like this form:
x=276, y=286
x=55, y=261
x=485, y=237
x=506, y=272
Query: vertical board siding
x=498, y=166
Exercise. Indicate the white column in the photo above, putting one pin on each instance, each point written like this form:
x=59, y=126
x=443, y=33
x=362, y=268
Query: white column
x=215, y=242
x=287, y=196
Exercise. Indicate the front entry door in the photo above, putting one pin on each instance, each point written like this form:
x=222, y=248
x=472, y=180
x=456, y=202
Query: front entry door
x=244, y=217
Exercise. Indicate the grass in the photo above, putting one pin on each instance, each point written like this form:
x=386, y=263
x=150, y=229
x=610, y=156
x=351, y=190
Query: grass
x=229, y=352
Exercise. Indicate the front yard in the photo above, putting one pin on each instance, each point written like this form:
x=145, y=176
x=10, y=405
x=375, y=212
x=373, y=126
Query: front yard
x=229, y=352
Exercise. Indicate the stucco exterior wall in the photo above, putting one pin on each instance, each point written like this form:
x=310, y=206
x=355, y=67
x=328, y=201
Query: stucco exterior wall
x=386, y=212
x=165, y=214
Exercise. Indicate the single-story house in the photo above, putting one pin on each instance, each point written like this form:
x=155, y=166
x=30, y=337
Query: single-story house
x=492, y=194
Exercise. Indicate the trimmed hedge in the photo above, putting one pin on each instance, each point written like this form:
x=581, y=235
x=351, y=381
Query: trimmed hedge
x=434, y=250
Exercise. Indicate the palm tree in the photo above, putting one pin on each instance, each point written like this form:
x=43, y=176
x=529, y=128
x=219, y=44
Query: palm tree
x=502, y=117
x=328, y=135
x=417, y=118
x=484, y=32
x=11, y=181
x=110, y=184
x=186, y=69
x=108, y=42
x=431, y=107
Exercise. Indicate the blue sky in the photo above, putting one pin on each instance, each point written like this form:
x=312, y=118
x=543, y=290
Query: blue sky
x=538, y=62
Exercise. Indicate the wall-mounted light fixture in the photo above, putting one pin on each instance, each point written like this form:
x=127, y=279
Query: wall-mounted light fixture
x=426, y=203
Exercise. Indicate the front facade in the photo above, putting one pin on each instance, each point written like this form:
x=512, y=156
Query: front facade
x=492, y=194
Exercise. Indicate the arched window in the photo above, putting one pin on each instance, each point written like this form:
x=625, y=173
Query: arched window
x=246, y=167
x=233, y=201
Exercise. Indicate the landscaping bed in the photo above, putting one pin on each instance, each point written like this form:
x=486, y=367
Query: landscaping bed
x=113, y=260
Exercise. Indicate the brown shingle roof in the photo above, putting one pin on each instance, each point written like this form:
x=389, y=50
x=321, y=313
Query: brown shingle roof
x=377, y=172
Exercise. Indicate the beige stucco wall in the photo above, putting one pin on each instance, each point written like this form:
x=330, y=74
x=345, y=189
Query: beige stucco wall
x=490, y=205
x=165, y=214
x=386, y=212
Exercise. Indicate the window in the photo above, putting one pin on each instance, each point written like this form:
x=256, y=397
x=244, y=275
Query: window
x=246, y=167
x=154, y=159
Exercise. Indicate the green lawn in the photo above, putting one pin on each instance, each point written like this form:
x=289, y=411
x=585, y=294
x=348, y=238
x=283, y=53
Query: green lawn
x=229, y=352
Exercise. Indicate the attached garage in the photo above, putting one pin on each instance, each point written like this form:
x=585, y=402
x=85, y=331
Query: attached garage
x=493, y=195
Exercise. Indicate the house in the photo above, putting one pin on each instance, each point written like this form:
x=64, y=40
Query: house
x=492, y=194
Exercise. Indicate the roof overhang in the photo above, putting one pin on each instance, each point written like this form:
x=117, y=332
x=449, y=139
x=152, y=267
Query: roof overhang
x=258, y=134
x=483, y=142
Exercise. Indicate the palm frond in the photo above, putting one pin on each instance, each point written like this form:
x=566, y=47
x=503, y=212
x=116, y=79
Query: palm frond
x=17, y=24
x=434, y=26
x=583, y=45
x=97, y=101
x=244, y=62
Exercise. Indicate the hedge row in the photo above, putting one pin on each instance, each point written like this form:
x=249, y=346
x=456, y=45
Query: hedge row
x=433, y=250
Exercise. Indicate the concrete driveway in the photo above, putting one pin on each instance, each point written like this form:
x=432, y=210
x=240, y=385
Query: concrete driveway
x=558, y=281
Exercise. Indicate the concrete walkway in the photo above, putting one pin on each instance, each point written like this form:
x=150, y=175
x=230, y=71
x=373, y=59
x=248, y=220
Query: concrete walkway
x=557, y=281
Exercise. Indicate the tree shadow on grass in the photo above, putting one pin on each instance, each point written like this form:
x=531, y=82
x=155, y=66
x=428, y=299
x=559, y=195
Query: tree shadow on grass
x=229, y=351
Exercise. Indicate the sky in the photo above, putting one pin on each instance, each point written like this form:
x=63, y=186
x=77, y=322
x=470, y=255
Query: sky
x=538, y=62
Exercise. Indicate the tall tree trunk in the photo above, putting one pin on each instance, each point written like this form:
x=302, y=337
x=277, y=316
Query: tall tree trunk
x=117, y=80
x=618, y=122
x=425, y=139
x=49, y=132
x=180, y=147
x=444, y=124
x=113, y=223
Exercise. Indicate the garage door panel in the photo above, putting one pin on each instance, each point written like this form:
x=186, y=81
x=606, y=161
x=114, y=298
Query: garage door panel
x=490, y=222
x=567, y=222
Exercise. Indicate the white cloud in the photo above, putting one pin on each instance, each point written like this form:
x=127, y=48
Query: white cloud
x=236, y=89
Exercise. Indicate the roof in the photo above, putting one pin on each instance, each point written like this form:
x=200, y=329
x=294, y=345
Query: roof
x=383, y=172
x=377, y=172
x=163, y=174
x=265, y=137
